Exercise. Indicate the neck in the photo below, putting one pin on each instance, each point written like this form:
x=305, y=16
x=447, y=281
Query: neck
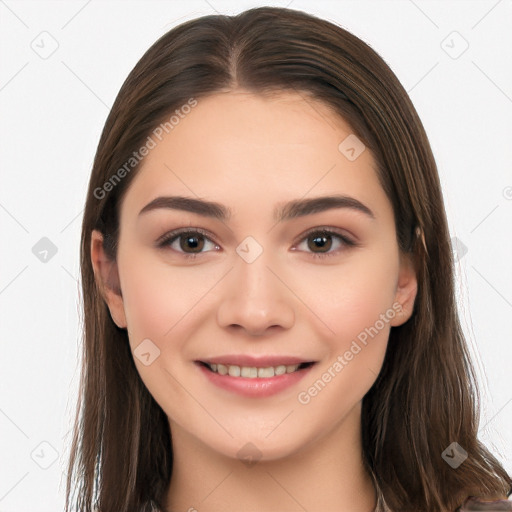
x=328, y=474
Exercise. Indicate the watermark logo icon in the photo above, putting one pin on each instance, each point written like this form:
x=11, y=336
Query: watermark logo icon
x=351, y=147
x=44, y=250
x=454, y=45
x=454, y=455
x=249, y=454
x=44, y=455
x=459, y=250
x=146, y=352
x=249, y=249
x=44, y=44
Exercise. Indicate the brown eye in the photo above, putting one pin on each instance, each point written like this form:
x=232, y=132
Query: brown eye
x=320, y=242
x=190, y=241
x=187, y=242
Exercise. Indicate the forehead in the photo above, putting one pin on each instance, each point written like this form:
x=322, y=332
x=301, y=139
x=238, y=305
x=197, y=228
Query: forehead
x=237, y=146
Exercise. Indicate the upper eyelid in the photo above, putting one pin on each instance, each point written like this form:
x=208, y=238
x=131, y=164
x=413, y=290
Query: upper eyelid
x=320, y=229
x=175, y=233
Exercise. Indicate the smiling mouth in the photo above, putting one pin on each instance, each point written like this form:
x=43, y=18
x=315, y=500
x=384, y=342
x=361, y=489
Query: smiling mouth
x=253, y=372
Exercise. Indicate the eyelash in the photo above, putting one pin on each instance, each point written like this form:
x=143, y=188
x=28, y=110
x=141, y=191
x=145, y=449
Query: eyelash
x=170, y=237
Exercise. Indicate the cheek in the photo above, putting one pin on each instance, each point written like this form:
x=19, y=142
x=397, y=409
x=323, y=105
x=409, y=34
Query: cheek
x=158, y=296
x=163, y=305
x=351, y=297
x=357, y=308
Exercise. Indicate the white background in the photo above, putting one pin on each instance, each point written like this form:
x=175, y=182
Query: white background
x=53, y=110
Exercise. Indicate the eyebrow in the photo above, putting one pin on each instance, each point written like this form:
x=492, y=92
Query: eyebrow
x=287, y=211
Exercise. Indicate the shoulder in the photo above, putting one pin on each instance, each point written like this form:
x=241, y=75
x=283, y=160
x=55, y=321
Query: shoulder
x=475, y=504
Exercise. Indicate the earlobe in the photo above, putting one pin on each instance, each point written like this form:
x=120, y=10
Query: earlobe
x=406, y=290
x=107, y=279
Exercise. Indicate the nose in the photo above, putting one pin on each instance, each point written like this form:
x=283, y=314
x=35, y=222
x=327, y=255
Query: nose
x=256, y=298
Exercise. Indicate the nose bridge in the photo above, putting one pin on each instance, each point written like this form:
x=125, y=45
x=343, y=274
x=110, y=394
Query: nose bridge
x=252, y=272
x=256, y=299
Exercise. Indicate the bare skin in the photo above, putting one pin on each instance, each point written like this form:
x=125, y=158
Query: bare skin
x=252, y=154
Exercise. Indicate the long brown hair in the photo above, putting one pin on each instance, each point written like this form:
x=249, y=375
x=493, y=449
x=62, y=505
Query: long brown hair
x=425, y=396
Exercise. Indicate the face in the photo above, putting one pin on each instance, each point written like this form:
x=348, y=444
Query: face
x=323, y=285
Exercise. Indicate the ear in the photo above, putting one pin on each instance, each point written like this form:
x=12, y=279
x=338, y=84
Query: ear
x=107, y=278
x=406, y=289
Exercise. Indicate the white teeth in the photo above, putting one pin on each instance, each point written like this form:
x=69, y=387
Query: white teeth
x=279, y=370
x=252, y=372
x=266, y=372
x=234, y=371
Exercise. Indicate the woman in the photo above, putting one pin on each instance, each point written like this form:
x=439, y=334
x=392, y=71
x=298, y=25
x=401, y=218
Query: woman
x=269, y=312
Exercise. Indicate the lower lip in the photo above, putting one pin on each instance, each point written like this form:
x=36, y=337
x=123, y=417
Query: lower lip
x=257, y=387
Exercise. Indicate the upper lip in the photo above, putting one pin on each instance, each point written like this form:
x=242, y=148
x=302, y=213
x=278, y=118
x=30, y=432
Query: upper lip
x=258, y=361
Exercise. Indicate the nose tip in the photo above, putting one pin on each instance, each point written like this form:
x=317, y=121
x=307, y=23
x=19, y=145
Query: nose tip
x=255, y=323
x=255, y=301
